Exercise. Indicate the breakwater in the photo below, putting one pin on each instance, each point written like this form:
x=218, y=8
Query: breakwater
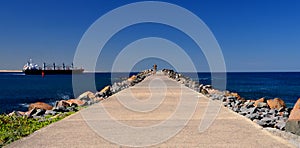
x=39, y=110
x=229, y=128
x=22, y=123
x=265, y=112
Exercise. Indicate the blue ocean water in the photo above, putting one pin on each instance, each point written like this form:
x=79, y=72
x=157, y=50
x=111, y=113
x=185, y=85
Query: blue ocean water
x=18, y=90
x=255, y=85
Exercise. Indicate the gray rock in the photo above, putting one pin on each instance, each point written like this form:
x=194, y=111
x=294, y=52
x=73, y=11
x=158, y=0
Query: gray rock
x=249, y=104
x=232, y=104
x=200, y=87
x=265, y=114
x=87, y=96
x=285, y=114
x=273, y=111
x=72, y=108
x=225, y=104
x=279, y=118
x=236, y=109
x=281, y=109
x=208, y=86
x=231, y=98
x=267, y=119
x=237, y=103
x=243, y=113
x=288, y=109
x=264, y=123
x=190, y=84
x=39, y=112
x=280, y=125
x=252, y=116
x=252, y=110
x=30, y=113
x=50, y=112
x=259, y=122
x=293, y=126
x=214, y=97
x=36, y=117
x=204, y=91
x=223, y=99
x=105, y=92
x=115, y=88
x=60, y=109
x=285, y=119
x=243, y=109
x=262, y=104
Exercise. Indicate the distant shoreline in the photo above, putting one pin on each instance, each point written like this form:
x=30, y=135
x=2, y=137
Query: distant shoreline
x=10, y=70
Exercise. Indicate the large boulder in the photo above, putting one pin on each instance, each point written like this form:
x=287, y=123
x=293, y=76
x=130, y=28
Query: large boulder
x=76, y=102
x=31, y=112
x=293, y=123
x=105, y=92
x=259, y=101
x=131, y=80
x=87, y=96
x=115, y=88
x=204, y=91
x=238, y=97
x=39, y=105
x=261, y=105
x=61, y=106
x=276, y=103
x=39, y=112
x=61, y=103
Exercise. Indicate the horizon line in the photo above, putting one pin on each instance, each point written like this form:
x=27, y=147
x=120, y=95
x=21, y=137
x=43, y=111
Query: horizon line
x=4, y=70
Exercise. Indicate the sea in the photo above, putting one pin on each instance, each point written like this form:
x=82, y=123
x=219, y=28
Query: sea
x=18, y=90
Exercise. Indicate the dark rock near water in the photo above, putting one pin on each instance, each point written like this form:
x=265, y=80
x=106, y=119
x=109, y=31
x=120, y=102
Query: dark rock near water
x=87, y=96
x=31, y=112
x=105, y=92
x=50, y=112
x=252, y=110
x=40, y=105
x=76, y=102
x=115, y=88
x=249, y=104
x=39, y=112
x=276, y=103
x=61, y=106
x=60, y=109
x=261, y=100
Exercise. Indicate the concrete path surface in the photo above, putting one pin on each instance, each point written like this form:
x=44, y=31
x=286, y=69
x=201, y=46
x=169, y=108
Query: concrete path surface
x=157, y=112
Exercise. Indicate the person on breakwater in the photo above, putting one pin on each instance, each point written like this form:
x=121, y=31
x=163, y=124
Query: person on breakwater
x=154, y=68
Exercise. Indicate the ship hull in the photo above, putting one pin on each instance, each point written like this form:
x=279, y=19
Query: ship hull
x=53, y=72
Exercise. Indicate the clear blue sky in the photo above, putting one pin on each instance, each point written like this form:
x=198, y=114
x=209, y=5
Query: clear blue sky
x=254, y=35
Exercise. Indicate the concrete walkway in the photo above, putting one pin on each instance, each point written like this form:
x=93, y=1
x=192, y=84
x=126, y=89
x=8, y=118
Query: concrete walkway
x=153, y=112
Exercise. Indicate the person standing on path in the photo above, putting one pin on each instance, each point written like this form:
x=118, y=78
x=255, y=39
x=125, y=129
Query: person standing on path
x=154, y=68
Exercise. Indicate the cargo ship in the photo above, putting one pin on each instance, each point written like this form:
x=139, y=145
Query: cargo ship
x=33, y=69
